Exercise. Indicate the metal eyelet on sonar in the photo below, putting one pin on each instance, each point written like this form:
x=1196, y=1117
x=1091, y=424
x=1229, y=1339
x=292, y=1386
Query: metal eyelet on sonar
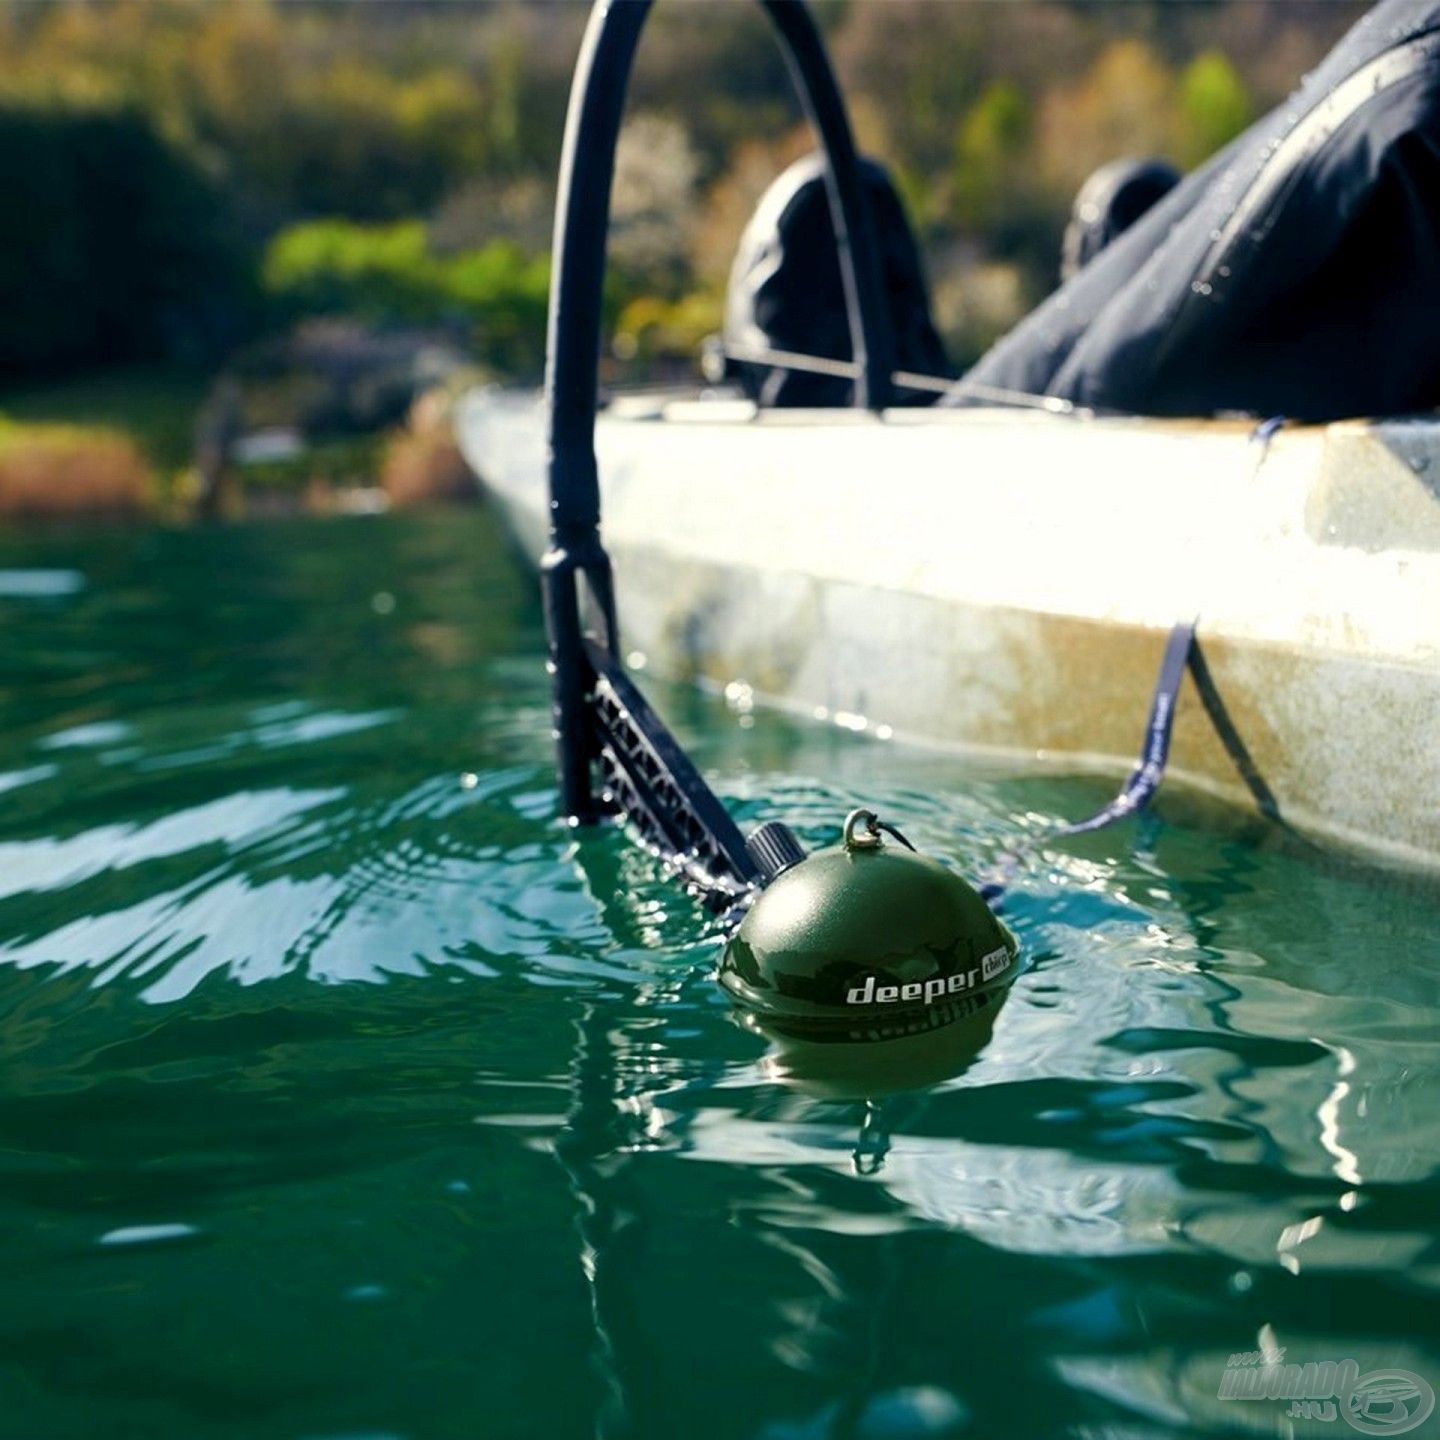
x=850, y=836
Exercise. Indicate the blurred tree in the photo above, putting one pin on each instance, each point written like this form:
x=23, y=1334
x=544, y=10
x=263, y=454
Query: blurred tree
x=936, y=48
x=719, y=67
x=114, y=247
x=259, y=115
x=652, y=202
x=388, y=273
x=1214, y=107
x=990, y=172
x=492, y=207
x=1124, y=105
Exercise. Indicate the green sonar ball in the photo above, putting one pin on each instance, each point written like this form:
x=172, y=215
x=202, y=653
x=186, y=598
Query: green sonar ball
x=869, y=940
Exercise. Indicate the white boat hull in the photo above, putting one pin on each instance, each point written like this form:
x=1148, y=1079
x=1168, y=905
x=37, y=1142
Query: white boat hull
x=1002, y=579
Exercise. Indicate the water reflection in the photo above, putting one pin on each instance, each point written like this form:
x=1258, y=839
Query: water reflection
x=853, y=1070
x=1135, y=1108
x=316, y=1026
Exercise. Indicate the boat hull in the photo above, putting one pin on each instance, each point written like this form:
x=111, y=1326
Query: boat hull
x=1004, y=580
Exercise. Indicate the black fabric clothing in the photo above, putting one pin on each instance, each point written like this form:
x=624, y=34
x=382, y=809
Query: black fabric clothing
x=1296, y=273
x=1109, y=203
x=786, y=292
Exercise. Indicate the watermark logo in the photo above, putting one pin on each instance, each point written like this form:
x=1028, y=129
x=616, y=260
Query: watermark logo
x=1373, y=1402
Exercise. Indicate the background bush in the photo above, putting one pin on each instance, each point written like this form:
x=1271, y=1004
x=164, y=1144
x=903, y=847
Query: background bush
x=159, y=161
x=114, y=246
x=391, y=272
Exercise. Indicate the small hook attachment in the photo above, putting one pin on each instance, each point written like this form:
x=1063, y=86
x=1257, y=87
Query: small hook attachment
x=854, y=822
x=871, y=825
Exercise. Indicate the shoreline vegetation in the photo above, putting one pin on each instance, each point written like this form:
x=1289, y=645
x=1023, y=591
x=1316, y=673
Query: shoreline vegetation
x=75, y=445
x=142, y=452
x=325, y=212
x=140, y=441
x=55, y=472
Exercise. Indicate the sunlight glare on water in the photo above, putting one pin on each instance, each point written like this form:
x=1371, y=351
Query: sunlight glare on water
x=348, y=1094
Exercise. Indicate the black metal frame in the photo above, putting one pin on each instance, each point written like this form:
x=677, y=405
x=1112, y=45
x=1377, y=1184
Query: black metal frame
x=603, y=727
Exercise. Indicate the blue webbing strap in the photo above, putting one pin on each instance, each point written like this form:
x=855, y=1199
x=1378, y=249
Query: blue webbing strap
x=1144, y=780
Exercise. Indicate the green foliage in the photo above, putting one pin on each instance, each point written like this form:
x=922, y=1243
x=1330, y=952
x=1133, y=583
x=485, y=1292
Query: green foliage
x=155, y=406
x=390, y=273
x=343, y=460
x=990, y=173
x=378, y=271
x=140, y=141
x=355, y=141
x=650, y=328
x=113, y=246
x=15, y=433
x=60, y=472
x=1215, y=106
x=296, y=111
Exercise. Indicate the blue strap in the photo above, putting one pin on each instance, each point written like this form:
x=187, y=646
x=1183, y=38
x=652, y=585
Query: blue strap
x=1144, y=780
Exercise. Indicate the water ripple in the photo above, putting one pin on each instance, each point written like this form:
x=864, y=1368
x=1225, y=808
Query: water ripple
x=346, y=1092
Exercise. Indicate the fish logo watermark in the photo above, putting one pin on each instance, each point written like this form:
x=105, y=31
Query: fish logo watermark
x=1372, y=1402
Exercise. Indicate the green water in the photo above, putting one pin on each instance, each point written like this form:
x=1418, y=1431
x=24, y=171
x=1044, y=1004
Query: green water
x=347, y=1095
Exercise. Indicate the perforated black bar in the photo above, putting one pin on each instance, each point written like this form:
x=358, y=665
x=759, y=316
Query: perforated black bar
x=652, y=782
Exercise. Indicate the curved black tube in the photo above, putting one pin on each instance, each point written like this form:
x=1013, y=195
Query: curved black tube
x=872, y=339
x=582, y=216
x=572, y=357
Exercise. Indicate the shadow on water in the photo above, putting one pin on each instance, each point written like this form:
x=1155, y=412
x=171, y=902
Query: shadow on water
x=347, y=1094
